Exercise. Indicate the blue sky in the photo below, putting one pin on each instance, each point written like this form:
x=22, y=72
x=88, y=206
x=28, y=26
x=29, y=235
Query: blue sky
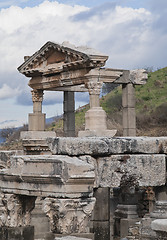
x=88, y=3
x=133, y=33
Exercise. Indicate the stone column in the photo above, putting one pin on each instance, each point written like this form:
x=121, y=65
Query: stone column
x=129, y=115
x=95, y=117
x=69, y=114
x=37, y=118
x=101, y=214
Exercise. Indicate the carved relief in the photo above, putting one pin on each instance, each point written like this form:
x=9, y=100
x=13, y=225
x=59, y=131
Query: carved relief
x=94, y=87
x=16, y=210
x=37, y=95
x=138, y=76
x=69, y=215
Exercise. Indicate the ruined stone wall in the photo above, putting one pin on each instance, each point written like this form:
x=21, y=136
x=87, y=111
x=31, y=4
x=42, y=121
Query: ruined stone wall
x=115, y=157
x=76, y=166
x=135, y=165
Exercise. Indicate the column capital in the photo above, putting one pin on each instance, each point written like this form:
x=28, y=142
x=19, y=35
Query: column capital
x=94, y=87
x=16, y=210
x=37, y=95
x=69, y=215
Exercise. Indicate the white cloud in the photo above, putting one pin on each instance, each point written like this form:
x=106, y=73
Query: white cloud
x=7, y=92
x=127, y=35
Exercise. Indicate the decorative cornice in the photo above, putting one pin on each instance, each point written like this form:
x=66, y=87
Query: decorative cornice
x=83, y=57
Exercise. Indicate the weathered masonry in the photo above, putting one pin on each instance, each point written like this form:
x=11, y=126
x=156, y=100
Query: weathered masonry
x=95, y=186
x=72, y=69
x=91, y=188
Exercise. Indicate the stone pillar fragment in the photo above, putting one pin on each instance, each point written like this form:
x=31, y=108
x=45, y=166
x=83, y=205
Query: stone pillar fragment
x=129, y=115
x=69, y=114
x=37, y=118
x=101, y=214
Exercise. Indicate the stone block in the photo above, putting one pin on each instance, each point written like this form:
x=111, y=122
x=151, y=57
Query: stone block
x=34, y=142
x=36, y=122
x=43, y=175
x=5, y=157
x=150, y=170
x=77, y=146
x=145, y=145
x=37, y=135
x=159, y=225
x=106, y=146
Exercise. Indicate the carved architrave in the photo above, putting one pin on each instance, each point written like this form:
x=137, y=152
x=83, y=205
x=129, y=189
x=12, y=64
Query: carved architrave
x=16, y=210
x=69, y=215
x=37, y=95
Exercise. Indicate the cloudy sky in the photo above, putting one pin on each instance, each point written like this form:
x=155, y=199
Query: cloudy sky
x=133, y=33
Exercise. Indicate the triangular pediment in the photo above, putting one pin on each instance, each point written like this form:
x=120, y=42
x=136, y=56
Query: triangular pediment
x=53, y=58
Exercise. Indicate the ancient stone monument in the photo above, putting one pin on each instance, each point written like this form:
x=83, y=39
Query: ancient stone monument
x=70, y=69
x=94, y=186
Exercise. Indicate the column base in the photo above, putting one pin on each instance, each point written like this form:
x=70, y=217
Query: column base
x=36, y=122
x=96, y=124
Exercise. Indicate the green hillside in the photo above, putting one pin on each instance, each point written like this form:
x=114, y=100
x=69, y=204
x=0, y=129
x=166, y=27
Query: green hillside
x=153, y=94
x=151, y=107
